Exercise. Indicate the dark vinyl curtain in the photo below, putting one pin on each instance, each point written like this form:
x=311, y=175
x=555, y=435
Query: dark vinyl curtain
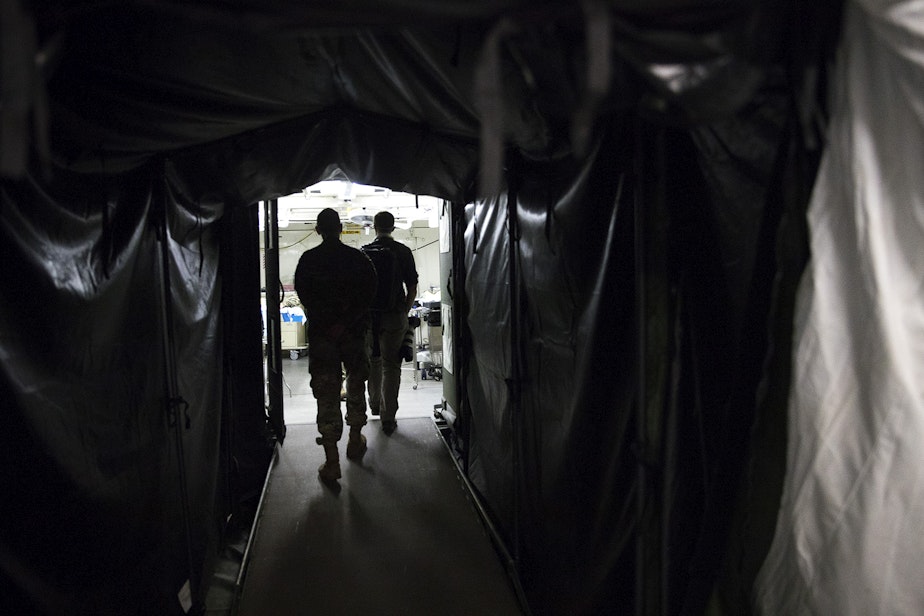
x=551, y=431
x=655, y=256
x=102, y=510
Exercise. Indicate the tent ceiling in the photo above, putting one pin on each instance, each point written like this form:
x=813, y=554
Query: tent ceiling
x=126, y=82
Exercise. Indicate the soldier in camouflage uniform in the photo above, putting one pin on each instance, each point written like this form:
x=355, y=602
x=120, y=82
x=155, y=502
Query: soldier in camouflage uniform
x=336, y=284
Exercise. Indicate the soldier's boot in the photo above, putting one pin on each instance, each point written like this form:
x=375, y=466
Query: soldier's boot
x=330, y=470
x=356, y=445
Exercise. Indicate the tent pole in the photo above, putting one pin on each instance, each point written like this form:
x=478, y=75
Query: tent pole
x=641, y=478
x=273, y=339
x=176, y=407
x=514, y=385
x=641, y=594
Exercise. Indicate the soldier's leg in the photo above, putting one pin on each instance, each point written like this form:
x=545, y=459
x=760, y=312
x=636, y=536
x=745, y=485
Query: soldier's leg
x=356, y=365
x=375, y=370
x=324, y=368
x=394, y=325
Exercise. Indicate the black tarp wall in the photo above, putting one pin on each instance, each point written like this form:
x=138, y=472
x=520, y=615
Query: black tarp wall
x=554, y=267
x=620, y=305
x=111, y=444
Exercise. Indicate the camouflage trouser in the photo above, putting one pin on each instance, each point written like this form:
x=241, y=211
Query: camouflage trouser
x=328, y=359
x=385, y=370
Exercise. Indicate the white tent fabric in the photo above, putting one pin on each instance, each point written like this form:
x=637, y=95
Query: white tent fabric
x=850, y=532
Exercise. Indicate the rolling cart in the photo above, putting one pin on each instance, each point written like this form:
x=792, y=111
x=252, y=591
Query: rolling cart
x=415, y=340
x=430, y=348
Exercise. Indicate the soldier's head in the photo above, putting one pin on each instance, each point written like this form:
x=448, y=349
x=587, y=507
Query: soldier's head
x=329, y=223
x=383, y=222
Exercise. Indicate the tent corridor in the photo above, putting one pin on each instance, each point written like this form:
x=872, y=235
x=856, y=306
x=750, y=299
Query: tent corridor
x=400, y=536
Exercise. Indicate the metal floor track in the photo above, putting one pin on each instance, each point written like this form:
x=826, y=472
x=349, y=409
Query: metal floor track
x=400, y=536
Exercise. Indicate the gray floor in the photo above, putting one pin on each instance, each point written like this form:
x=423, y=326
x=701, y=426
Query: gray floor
x=399, y=536
x=415, y=399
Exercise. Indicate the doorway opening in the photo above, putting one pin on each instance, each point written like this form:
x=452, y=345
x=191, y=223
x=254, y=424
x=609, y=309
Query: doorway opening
x=416, y=225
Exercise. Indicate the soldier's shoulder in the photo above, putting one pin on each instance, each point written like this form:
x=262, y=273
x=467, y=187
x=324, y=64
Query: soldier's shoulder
x=309, y=255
